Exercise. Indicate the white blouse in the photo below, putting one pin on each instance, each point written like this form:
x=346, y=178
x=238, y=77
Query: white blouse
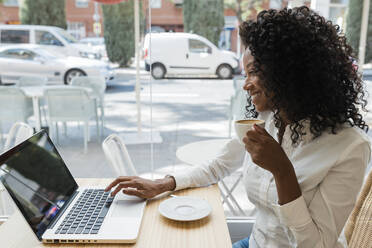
x=330, y=171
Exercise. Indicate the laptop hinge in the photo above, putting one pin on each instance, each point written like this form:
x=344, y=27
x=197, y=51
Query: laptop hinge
x=60, y=213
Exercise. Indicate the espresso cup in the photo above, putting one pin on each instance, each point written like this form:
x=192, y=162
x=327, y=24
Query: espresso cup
x=242, y=127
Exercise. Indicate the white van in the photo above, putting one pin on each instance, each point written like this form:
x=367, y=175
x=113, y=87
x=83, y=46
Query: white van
x=49, y=37
x=187, y=54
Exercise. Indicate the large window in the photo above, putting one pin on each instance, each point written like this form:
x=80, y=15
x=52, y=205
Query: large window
x=15, y=36
x=155, y=4
x=81, y=3
x=11, y=3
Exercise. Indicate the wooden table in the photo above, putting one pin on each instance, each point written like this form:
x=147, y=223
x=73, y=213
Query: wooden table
x=156, y=231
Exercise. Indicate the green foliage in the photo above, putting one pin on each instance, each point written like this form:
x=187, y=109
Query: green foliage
x=243, y=8
x=118, y=22
x=353, y=25
x=43, y=12
x=205, y=18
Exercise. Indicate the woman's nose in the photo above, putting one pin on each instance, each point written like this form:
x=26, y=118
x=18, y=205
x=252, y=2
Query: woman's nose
x=248, y=85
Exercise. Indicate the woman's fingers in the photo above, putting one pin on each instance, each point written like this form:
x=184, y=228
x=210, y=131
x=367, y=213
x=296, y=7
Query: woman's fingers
x=261, y=130
x=253, y=135
x=127, y=184
x=118, y=180
x=251, y=138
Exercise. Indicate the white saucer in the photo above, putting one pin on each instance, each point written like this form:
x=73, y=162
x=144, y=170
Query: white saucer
x=184, y=208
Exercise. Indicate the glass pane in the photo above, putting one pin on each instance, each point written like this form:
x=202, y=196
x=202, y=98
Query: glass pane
x=18, y=54
x=191, y=104
x=81, y=3
x=15, y=36
x=187, y=89
x=340, y=1
x=11, y=3
x=46, y=38
x=197, y=46
x=338, y=16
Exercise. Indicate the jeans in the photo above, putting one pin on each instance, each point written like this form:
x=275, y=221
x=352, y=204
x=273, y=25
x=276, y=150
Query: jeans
x=243, y=243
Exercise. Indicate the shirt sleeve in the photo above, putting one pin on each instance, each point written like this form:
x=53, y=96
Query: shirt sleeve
x=320, y=222
x=230, y=158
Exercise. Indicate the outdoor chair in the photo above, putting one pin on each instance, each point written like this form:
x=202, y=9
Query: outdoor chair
x=98, y=86
x=67, y=104
x=358, y=228
x=31, y=81
x=16, y=106
x=34, y=81
x=18, y=132
x=117, y=155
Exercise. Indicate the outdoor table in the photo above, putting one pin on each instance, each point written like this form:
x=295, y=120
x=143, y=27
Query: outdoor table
x=37, y=92
x=198, y=152
x=156, y=231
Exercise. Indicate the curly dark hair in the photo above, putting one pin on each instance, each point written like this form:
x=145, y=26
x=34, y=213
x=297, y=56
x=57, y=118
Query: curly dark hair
x=306, y=63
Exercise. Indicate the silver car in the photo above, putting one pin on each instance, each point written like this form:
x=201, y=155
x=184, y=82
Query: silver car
x=97, y=44
x=31, y=60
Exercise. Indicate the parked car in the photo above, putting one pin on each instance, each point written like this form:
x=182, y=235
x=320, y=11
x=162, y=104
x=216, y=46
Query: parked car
x=33, y=60
x=97, y=44
x=50, y=37
x=187, y=54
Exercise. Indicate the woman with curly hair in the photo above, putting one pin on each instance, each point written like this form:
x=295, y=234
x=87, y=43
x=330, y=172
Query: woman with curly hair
x=304, y=170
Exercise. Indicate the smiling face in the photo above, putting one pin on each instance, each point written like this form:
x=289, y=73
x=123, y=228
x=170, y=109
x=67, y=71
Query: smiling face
x=253, y=84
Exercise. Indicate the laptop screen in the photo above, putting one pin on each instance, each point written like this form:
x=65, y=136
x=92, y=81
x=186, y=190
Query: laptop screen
x=37, y=179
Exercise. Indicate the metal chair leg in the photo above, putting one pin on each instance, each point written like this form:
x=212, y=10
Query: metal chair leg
x=102, y=120
x=225, y=200
x=86, y=136
x=232, y=198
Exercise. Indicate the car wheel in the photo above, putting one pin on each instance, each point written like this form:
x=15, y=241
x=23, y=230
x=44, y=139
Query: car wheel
x=158, y=71
x=73, y=73
x=224, y=71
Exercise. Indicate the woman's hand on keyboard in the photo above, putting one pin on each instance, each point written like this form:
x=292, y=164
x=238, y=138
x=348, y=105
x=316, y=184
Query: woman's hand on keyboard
x=141, y=187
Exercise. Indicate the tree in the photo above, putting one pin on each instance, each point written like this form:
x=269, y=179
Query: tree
x=244, y=8
x=43, y=12
x=205, y=18
x=353, y=25
x=118, y=22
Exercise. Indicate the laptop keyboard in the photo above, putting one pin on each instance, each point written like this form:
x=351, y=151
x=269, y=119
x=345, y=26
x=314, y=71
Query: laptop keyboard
x=88, y=213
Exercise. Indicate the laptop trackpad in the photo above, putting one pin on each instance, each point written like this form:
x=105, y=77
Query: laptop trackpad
x=127, y=208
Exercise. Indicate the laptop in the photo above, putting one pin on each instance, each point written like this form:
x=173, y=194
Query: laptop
x=56, y=208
